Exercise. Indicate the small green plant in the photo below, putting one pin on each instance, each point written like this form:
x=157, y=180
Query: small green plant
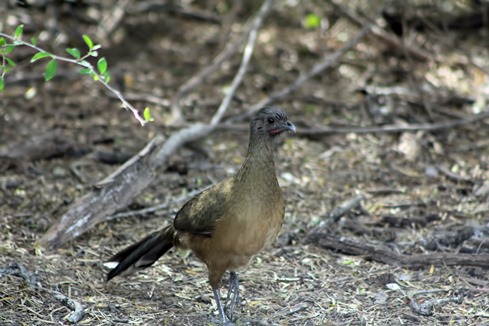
x=100, y=73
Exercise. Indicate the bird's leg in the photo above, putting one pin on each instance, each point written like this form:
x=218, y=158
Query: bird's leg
x=220, y=308
x=234, y=291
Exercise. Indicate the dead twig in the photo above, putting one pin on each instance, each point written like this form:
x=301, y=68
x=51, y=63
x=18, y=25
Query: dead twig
x=229, y=50
x=426, y=307
x=78, y=309
x=379, y=253
x=339, y=211
x=456, y=177
x=120, y=188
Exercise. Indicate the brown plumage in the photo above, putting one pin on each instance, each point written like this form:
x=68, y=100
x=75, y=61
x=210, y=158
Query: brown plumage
x=227, y=224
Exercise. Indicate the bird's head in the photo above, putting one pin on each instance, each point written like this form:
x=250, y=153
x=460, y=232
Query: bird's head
x=271, y=121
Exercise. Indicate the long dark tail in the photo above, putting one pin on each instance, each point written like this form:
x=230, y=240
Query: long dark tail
x=141, y=254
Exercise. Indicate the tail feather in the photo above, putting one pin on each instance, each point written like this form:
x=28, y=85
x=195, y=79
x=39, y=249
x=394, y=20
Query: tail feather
x=142, y=254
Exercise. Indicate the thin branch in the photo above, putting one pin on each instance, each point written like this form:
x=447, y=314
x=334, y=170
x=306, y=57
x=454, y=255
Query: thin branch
x=200, y=77
x=425, y=308
x=342, y=209
x=248, y=51
x=198, y=131
x=393, y=128
x=145, y=97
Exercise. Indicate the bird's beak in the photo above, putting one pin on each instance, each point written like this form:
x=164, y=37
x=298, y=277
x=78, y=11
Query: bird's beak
x=289, y=126
x=285, y=126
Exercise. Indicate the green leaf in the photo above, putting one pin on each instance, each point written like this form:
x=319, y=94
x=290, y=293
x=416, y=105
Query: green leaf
x=50, y=71
x=2, y=84
x=147, y=115
x=93, y=53
x=18, y=31
x=9, y=48
x=6, y=49
x=312, y=21
x=40, y=55
x=88, y=41
x=2, y=41
x=96, y=47
x=33, y=41
x=10, y=62
x=102, y=66
x=74, y=52
x=107, y=77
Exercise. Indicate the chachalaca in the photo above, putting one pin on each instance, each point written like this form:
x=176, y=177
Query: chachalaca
x=227, y=224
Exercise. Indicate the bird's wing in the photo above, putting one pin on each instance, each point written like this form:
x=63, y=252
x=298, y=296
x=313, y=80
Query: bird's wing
x=200, y=214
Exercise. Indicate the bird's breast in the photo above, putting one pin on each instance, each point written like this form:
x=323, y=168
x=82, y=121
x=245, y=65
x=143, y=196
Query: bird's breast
x=248, y=229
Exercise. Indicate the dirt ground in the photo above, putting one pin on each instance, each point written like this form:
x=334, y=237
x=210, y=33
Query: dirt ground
x=425, y=191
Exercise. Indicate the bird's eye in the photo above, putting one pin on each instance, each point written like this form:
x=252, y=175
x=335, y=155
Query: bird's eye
x=271, y=120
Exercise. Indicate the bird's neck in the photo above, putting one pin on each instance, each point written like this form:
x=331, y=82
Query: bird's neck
x=259, y=165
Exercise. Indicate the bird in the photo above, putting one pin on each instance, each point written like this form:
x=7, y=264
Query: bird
x=226, y=225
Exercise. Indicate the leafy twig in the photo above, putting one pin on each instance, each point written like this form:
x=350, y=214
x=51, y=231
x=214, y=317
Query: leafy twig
x=100, y=74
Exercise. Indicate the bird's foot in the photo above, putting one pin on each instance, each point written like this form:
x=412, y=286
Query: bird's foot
x=224, y=321
x=233, y=295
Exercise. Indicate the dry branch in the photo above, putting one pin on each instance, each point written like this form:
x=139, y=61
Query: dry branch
x=78, y=309
x=121, y=187
x=393, y=128
x=426, y=307
x=339, y=211
x=328, y=62
x=379, y=253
